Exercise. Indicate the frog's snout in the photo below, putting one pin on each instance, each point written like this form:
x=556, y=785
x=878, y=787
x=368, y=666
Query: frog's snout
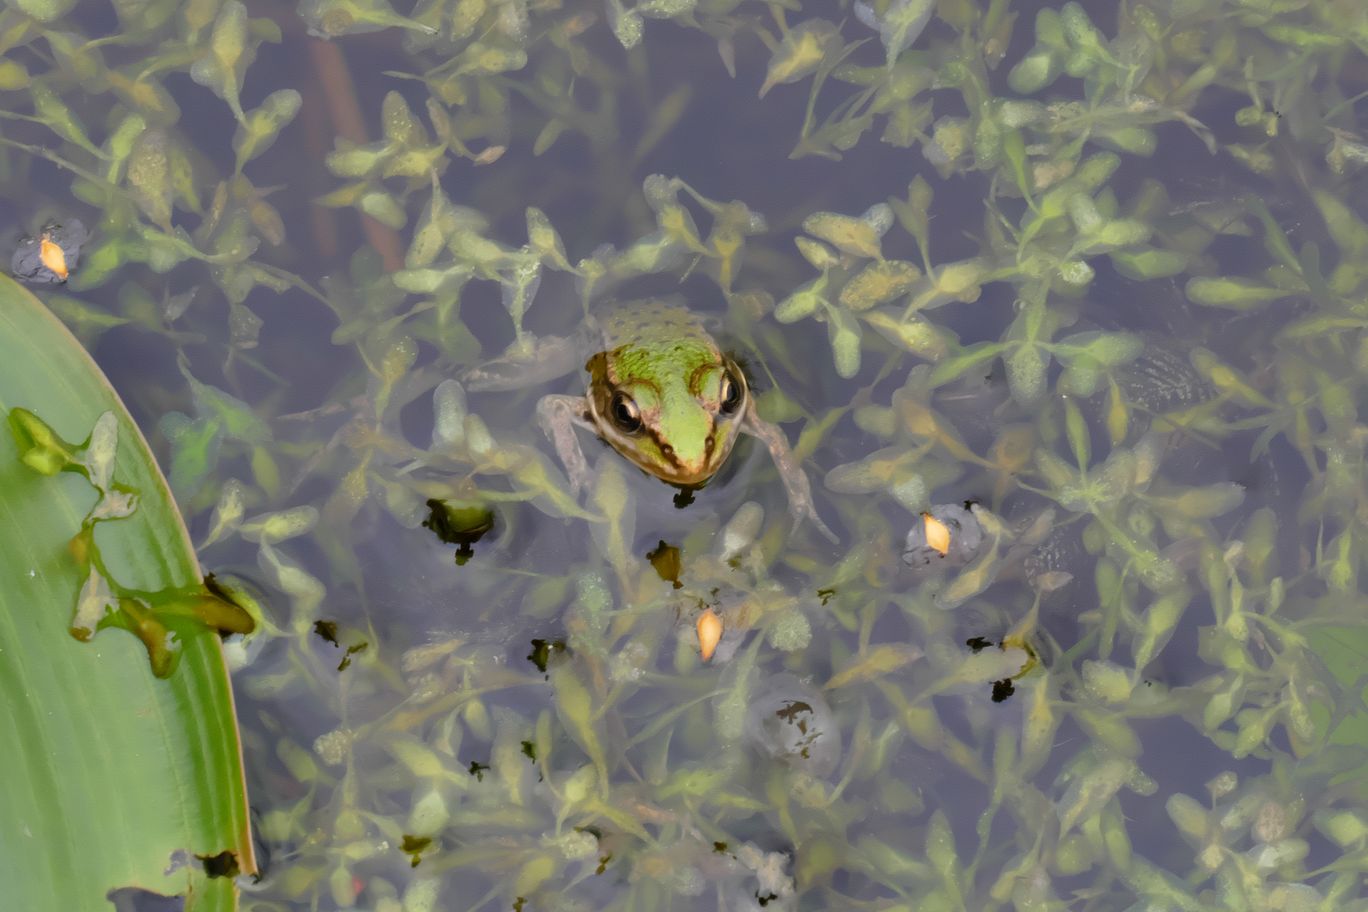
x=691, y=468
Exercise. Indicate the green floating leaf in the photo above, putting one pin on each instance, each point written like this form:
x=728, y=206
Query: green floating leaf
x=844, y=332
x=484, y=59
x=1231, y=293
x=12, y=75
x=224, y=62
x=543, y=239
x=576, y=710
x=803, y=302
x=335, y=18
x=878, y=283
x=912, y=212
x=400, y=126
x=816, y=253
x=1026, y=374
x=54, y=113
x=149, y=174
x=1108, y=349
x=1040, y=67
x=77, y=824
x=919, y=336
x=900, y=25
x=235, y=416
x=964, y=361
x=1202, y=503
x=44, y=10
x=848, y=234
x=1348, y=230
x=259, y=131
x=875, y=663
x=1148, y=263
x=626, y=24
x=803, y=49
x=1044, y=62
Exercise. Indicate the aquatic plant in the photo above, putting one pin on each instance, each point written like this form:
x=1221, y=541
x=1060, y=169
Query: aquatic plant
x=1096, y=269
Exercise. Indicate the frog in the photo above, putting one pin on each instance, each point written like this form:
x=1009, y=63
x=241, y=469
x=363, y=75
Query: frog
x=661, y=392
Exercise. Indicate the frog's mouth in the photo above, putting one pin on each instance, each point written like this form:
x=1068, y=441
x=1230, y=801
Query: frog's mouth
x=675, y=475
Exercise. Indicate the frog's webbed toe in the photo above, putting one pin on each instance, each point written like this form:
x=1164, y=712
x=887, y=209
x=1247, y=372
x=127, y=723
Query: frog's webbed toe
x=809, y=512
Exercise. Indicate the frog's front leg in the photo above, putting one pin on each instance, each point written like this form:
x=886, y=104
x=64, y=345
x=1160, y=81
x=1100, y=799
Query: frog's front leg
x=558, y=417
x=795, y=479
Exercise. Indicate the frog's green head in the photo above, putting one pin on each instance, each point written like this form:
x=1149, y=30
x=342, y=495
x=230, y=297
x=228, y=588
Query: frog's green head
x=678, y=424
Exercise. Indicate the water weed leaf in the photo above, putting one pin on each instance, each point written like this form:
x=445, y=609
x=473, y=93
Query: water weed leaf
x=225, y=59
x=802, y=50
x=1231, y=293
x=803, y=302
x=336, y=18
x=899, y=26
x=262, y=126
x=844, y=332
x=852, y=236
x=878, y=283
x=880, y=660
x=1056, y=345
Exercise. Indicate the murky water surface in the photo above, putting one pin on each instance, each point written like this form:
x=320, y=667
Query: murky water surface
x=1059, y=308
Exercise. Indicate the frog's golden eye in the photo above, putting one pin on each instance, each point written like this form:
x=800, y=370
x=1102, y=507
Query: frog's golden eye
x=732, y=394
x=625, y=413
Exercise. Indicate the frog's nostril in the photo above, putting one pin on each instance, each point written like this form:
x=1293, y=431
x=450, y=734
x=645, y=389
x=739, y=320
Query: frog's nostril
x=709, y=445
x=666, y=449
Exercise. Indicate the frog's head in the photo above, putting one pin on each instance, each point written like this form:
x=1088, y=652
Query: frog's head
x=678, y=424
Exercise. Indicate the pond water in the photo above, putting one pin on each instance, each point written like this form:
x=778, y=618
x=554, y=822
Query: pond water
x=1082, y=287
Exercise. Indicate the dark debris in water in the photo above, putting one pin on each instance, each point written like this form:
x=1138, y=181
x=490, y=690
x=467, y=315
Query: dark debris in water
x=459, y=523
x=542, y=650
x=413, y=847
x=668, y=562
x=352, y=650
x=327, y=631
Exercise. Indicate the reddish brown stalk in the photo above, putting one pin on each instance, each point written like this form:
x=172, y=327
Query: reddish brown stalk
x=345, y=112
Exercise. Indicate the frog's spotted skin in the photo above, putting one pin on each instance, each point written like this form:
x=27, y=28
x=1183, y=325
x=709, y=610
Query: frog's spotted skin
x=663, y=395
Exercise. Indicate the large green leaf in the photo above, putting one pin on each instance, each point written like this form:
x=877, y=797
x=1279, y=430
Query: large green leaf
x=108, y=774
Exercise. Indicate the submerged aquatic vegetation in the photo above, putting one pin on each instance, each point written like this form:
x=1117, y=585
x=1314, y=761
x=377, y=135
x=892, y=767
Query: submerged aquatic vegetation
x=1096, y=269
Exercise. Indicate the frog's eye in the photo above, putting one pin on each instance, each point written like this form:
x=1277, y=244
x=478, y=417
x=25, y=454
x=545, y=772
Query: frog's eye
x=732, y=393
x=625, y=413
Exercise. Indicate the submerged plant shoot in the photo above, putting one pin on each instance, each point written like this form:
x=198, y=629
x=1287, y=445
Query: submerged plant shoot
x=901, y=455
